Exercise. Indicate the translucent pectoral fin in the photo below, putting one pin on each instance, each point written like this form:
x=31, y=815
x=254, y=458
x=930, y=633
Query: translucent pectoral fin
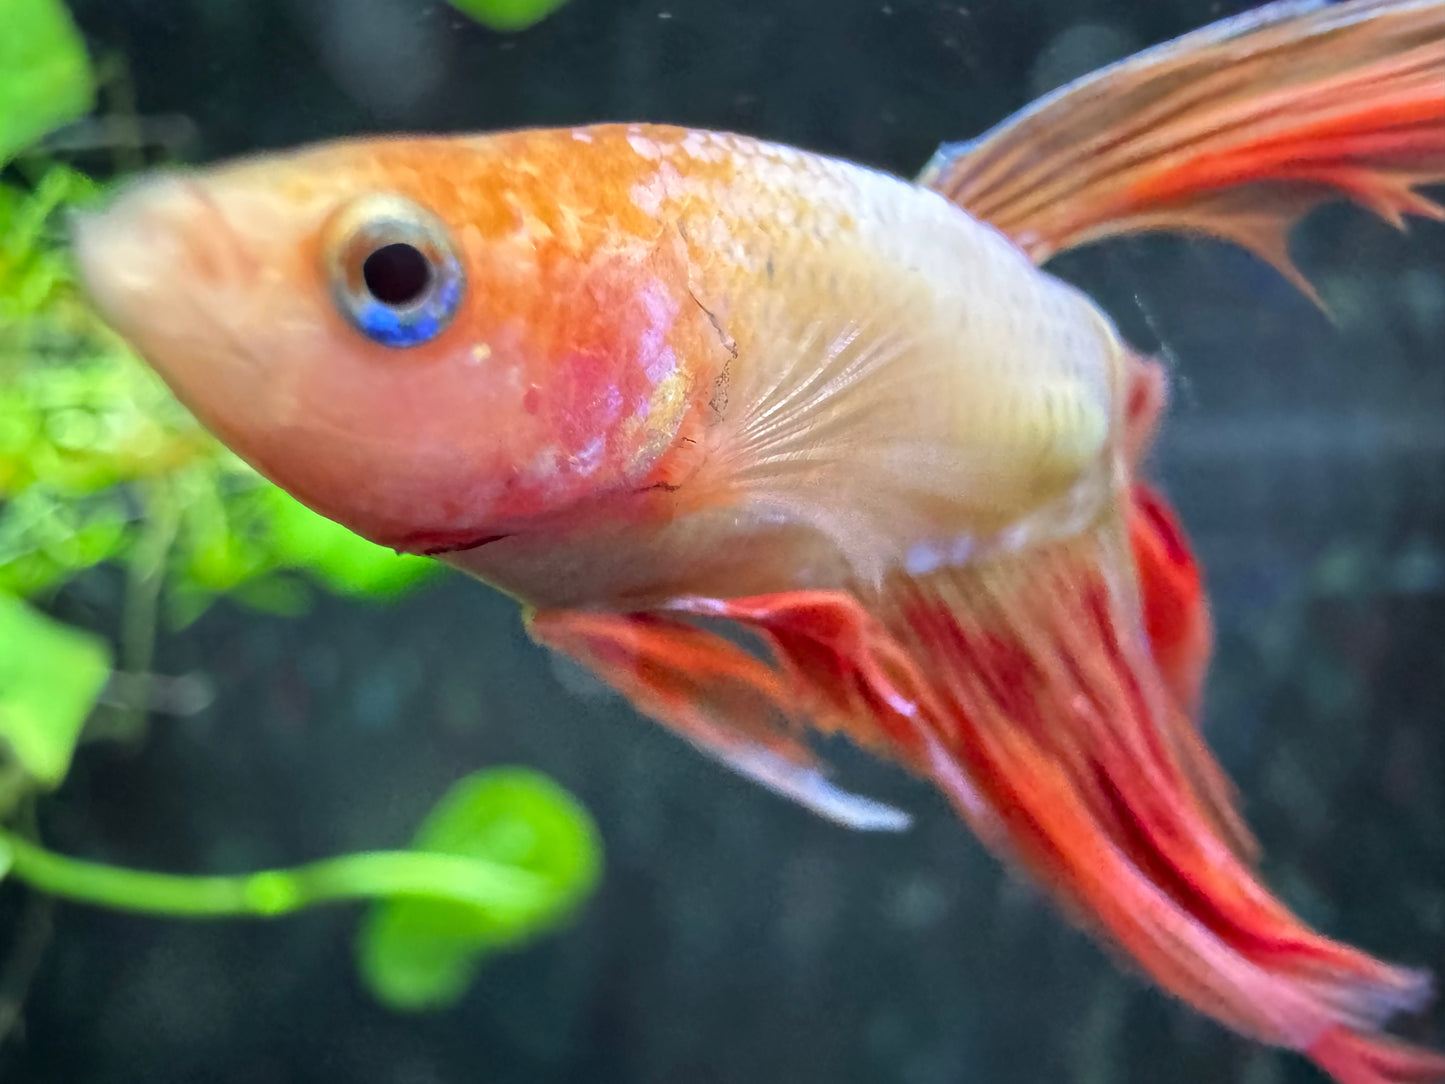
x=809, y=787
x=714, y=694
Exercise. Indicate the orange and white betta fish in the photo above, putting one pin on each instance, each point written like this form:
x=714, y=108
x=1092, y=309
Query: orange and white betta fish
x=652, y=381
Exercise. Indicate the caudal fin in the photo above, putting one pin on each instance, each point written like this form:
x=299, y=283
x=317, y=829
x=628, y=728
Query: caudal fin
x=1023, y=688
x=1235, y=131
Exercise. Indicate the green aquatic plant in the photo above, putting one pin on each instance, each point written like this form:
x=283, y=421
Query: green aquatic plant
x=50, y=677
x=512, y=897
x=45, y=76
x=422, y=953
x=507, y=15
x=100, y=466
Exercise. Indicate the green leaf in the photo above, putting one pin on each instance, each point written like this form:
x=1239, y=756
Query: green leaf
x=422, y=954
x=343, y=561
x=50, y=677
x=45, y=76
x=507, y=15
x=274, y=594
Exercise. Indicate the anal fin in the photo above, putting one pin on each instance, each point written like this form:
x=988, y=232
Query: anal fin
x=1024, y=688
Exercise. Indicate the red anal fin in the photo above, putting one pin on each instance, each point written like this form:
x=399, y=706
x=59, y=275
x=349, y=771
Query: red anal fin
x=855, y=676
x=1180, y=637
x=1235, y=130
x=1174, y=607
x=714, y=694
x=1171, y=590
x=830, y=646
x=1024, y=689
x=1057, y=716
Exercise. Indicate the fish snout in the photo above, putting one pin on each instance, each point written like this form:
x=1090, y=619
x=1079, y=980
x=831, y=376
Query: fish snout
x=158, y=243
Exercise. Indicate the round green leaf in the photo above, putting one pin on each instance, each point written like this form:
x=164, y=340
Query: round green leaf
x=45, y=77
x=422, y=954
x=345, y=562
x=50, y=677
x=507, y=15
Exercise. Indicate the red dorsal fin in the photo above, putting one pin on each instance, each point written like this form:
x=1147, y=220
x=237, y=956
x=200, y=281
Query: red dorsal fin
x=1234, y=131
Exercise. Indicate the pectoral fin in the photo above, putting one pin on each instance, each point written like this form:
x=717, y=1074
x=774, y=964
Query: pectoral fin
x=719, y=697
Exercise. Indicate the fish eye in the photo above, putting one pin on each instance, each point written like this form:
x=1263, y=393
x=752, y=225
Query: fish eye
x=393, y=272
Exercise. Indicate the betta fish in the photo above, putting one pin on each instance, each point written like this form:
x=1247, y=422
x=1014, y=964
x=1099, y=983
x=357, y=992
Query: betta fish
x=665, y=386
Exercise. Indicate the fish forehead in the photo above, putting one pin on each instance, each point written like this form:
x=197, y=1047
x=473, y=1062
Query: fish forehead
x=546, y=182
x=733, y=199
x=591, y=185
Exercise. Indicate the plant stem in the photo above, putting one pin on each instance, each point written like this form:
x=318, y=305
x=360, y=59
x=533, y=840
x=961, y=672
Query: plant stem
x=269, y=893
x=144, y=576
x=32, y=936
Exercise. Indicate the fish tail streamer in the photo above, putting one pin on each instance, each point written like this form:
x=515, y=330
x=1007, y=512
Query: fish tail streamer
x=1026, y=690
x=1235, y=131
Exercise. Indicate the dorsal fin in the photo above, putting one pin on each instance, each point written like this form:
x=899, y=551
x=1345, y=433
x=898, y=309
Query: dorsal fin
x=1234, y=131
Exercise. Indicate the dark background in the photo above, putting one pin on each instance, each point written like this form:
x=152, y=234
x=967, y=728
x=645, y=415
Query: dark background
x=736, y=938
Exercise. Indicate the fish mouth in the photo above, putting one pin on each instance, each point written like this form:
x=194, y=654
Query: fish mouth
x=160, y=235
x=437, y=543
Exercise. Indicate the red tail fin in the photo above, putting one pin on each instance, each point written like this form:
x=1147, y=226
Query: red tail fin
x=1235, y=130
x=1352, y=1058
x=1023, y=689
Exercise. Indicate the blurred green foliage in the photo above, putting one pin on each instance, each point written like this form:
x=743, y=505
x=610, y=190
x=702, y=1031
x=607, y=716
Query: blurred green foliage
x=512, y=893
x=92, y=447
x=421, y=954
x=507, y=15
x=100, y=465
x=45, y=77
x=47, y=688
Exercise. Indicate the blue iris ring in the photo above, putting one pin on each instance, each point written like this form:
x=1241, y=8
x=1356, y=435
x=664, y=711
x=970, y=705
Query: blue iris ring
x=364, y=228
x=416, y=322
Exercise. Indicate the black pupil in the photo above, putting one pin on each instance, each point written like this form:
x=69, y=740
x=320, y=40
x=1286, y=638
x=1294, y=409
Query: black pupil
x=396, y=274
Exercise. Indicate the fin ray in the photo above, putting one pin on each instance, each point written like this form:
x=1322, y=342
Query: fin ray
x=1023, y=687
x=1043, y=669
x=718, y=697
x=1235, y=131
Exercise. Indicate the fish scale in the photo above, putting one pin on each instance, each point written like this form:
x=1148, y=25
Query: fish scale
x=1008, y=380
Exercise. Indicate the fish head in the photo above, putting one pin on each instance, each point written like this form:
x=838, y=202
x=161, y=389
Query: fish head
x=432, y=341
